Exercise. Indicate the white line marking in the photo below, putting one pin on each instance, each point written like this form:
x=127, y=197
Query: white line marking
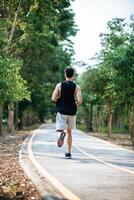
x=63, y=190
x=104, y=162
x=48, y=143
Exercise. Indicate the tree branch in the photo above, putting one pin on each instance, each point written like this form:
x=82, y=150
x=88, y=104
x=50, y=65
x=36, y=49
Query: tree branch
x=14, y=23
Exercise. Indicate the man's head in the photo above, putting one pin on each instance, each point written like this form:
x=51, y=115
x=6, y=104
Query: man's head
x=69, y=72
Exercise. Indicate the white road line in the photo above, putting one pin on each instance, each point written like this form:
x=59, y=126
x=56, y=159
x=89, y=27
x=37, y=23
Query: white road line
x=63, y=190
x=101, y=161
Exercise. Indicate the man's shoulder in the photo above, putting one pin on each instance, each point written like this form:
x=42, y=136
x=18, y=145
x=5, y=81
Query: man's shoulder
x=77, y=86
x=58, y=84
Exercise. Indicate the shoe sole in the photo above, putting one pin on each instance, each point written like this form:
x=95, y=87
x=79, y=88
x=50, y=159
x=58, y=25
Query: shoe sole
x=68, y=157
x=60, y=141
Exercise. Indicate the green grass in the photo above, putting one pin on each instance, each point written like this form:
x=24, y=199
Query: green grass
x=81, y=127
x=31, y=127
x=120, y=130
x=104, y=130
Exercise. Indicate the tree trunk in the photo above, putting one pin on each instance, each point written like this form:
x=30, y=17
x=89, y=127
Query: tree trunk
x=14, y=23
x=91, y=117
x=101, y=121
x=11, y=105
x=20, y=124
x=1, y=127
x=110, y=119
x=132, y=124
x=11, y=118
x=97, y=119
x=132, y=134
x=16, y=116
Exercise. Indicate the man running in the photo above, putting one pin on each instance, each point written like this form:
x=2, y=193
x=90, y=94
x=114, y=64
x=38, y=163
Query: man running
x=67, y=96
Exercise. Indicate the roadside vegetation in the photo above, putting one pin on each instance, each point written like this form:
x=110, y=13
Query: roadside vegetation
x=35, y=48
x=108, y=86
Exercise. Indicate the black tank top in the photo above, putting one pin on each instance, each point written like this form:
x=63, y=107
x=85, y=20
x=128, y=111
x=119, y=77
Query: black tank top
x=66, y=103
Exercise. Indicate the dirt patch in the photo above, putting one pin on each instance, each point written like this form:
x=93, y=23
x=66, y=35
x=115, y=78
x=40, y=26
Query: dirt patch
x=118, y=139
x=14, y=184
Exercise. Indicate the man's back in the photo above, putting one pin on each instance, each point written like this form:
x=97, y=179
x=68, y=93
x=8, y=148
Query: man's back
x=66, y=103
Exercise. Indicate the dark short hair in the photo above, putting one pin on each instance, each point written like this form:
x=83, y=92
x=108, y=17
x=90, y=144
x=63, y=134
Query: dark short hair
x=69, y=72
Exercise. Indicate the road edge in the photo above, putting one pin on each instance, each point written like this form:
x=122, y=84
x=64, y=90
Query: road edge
x=32, y=173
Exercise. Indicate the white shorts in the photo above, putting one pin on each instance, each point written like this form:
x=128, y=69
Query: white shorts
x=65, y=121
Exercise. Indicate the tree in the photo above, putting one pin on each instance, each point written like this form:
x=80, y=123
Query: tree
x=37, y=32
x=12, y=85
x=86, y=81
x=120, y=55
x=112, y=79
x=47, y=50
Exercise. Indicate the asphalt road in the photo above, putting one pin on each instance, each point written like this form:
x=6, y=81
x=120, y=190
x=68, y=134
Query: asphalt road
x=98, y=170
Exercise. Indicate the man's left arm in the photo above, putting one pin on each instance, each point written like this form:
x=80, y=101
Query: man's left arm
x=78, y=96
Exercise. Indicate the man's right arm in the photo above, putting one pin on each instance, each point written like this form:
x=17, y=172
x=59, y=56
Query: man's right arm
x=56, y=93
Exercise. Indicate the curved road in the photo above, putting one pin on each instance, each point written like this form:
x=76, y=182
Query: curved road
x=98, y=170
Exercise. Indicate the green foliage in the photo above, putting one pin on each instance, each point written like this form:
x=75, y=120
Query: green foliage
x=41, y=40
x=115, y=35
x=111, y=82
x=46, y=49
x=12, y=86
x=2, y=42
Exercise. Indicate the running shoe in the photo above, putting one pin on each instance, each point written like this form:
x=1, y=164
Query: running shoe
x=68, y=155
x=60, y=140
